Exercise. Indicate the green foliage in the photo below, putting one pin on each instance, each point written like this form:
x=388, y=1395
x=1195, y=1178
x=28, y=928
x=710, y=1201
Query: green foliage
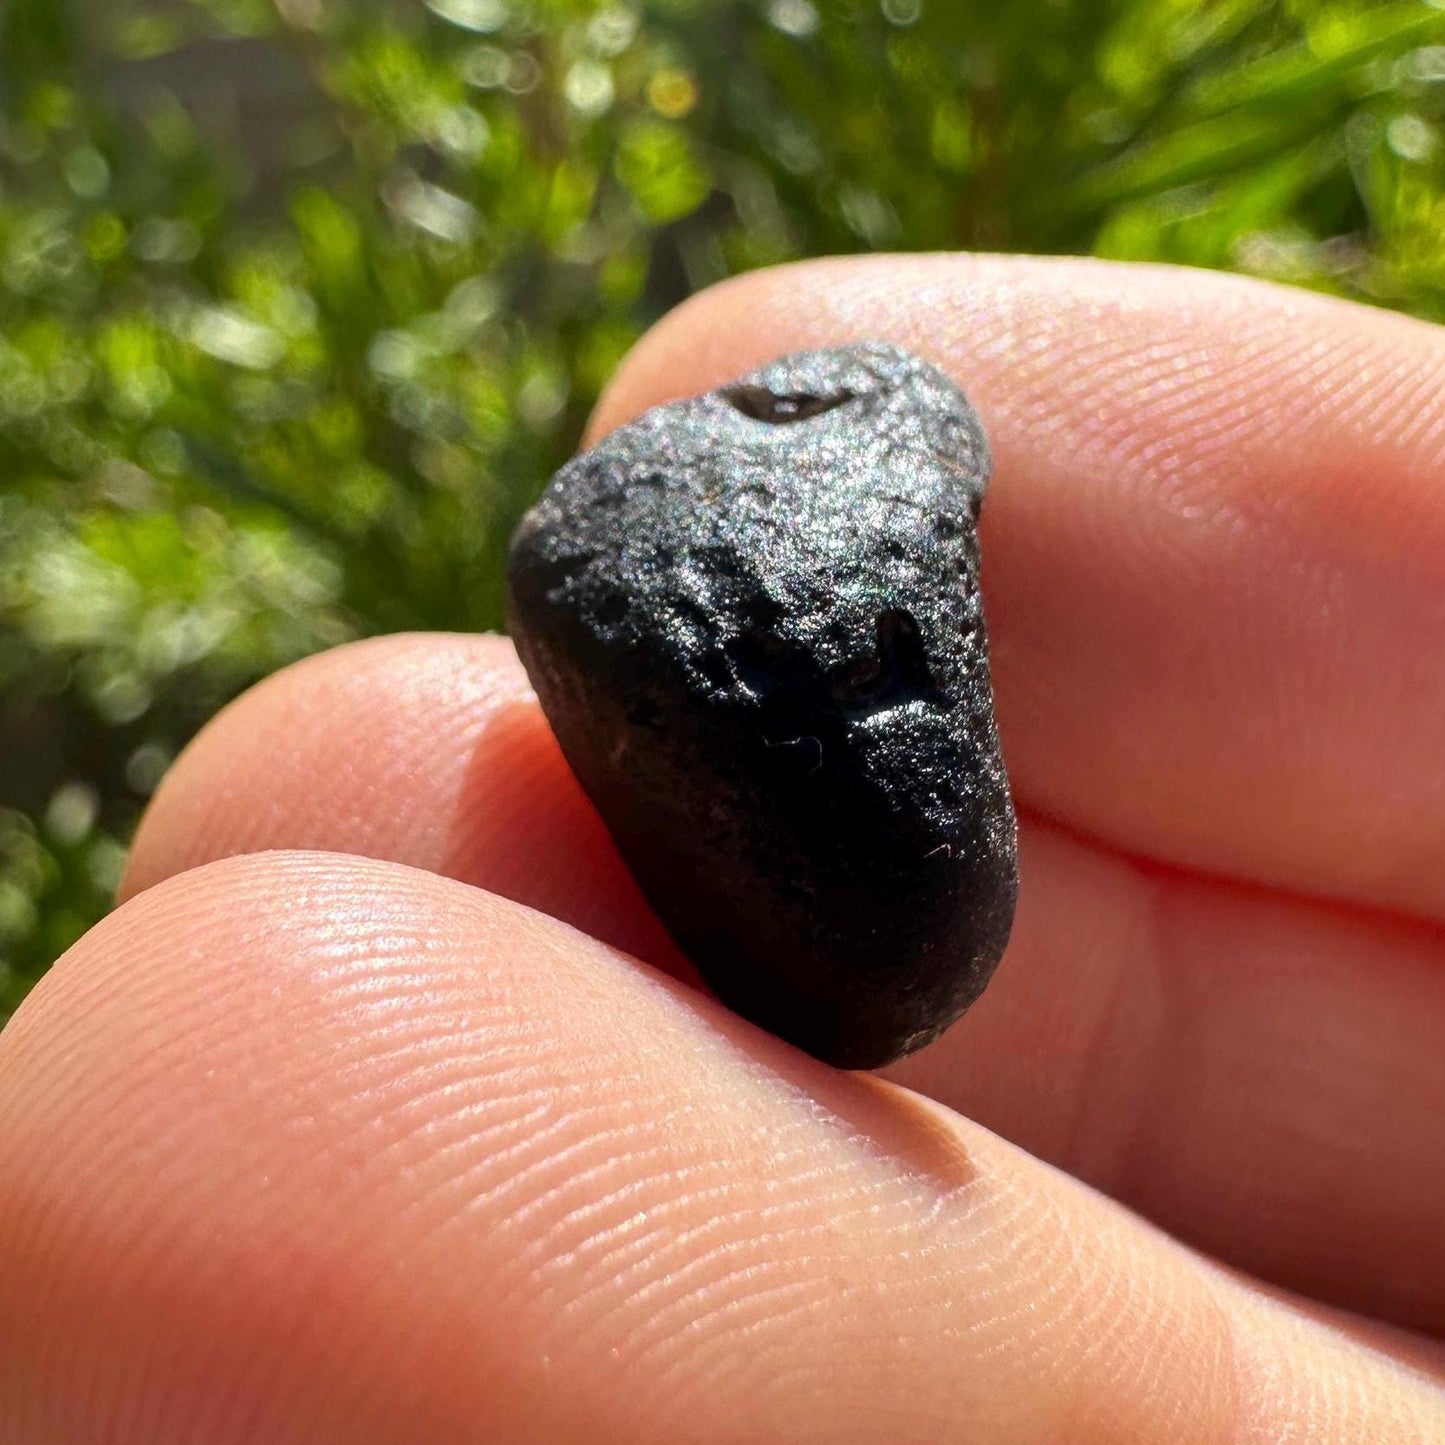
x=302, y=300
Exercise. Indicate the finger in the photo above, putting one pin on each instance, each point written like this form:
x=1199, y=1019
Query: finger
x=310, y=1149
x=427, y=750
x=1214, y=550
x=1261, y=1075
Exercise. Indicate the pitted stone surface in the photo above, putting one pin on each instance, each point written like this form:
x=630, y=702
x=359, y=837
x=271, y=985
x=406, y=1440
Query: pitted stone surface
x=753, y=620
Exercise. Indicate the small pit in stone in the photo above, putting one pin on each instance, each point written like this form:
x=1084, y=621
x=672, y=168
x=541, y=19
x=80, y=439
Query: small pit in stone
x=781, y=409
x=898, y=673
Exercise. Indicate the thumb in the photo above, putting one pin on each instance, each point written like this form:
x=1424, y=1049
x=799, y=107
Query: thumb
x=298, y=1148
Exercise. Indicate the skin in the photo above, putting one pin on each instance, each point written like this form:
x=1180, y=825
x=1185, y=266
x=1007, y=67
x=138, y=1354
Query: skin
x=383, y=1111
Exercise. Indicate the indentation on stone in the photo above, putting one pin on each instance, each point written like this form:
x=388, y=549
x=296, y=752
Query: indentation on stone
x=783, y=409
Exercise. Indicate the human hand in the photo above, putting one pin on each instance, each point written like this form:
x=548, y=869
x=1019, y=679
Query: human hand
x=346, y=1144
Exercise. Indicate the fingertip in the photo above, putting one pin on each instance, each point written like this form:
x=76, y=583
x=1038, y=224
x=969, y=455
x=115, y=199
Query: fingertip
x=306, y=1148
x=291, y=762
x=423, y=749
x=303, y=1148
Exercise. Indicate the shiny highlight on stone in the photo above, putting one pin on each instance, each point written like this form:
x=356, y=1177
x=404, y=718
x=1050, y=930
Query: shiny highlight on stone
x=753, y=620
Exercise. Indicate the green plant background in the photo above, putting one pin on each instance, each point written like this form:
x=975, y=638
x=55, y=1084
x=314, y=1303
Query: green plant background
x=302, y=300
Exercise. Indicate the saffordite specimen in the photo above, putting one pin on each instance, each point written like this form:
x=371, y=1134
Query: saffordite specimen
x=753, y=620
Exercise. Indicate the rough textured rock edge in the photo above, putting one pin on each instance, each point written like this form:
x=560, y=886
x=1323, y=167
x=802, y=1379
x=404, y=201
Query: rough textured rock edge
x=753, y=620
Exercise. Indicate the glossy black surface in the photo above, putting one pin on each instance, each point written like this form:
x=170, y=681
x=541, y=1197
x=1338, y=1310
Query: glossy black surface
x=753, y=620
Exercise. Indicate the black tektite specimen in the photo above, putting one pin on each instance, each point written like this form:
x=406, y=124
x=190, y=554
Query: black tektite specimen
x=753, y=620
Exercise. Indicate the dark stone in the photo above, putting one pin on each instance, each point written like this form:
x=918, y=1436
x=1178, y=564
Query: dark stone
x=753, y=620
